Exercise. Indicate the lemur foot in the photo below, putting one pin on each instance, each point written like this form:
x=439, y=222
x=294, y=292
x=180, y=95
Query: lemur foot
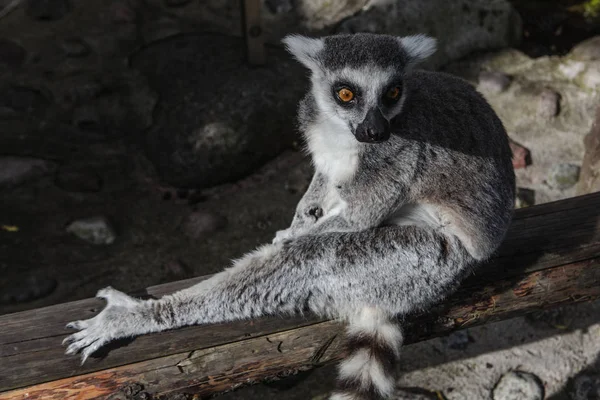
x=115, y=321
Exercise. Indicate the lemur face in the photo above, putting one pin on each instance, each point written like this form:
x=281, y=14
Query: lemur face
x=357, y=79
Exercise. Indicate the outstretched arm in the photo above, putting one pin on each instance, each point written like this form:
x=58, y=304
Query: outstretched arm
x=328, y=274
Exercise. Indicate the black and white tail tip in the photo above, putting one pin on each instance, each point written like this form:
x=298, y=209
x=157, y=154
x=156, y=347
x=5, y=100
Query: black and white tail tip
x=368, y=373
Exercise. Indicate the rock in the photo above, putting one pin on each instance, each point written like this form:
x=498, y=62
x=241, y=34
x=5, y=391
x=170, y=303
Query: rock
x=199, y=224
x=493, y=82
x=31, y=288
x=547, y=109
x=412, y=393
x=234, y=117
x=585, y=386
x=95, y=230
x=521, y=155
x=525, y=198
x=549, y=103
x=589, y=179
x=75, y=47
x=122, y=12
x=160, y=28
x=15, y=171
x=518, y=385
x=563, y=176
x=279, y=6
x=49, y=10
x=24, y=99
x=12, y=54
x=78, y=179
x=461, y=27
x=560, y=318
x=588, y=50
x=176, y=3
x=458, y=340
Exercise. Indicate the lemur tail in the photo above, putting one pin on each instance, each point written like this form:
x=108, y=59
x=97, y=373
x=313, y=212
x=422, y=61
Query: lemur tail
x=368, y=372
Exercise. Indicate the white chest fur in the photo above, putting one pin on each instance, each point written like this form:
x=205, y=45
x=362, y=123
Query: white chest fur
x=334, y=150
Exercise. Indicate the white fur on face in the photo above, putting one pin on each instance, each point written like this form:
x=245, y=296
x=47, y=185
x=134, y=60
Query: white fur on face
x=332, y=144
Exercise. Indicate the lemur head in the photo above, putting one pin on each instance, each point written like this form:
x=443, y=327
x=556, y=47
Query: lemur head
x=357, y=79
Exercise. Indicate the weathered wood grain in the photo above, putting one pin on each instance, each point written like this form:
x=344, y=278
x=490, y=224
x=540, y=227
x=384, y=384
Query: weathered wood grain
x=551, y=256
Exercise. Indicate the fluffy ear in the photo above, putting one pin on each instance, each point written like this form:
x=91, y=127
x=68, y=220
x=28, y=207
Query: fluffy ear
x=304, y=49
x=418, y=47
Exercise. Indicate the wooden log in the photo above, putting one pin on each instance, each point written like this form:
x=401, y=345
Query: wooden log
x=253, y=31
x=550, y=257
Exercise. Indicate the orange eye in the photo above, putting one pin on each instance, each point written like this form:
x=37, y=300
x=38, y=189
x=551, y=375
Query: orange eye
x=345, y=95
x=393, y=93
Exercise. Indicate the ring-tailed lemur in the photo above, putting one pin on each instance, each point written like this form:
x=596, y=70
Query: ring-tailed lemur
x=413, y=187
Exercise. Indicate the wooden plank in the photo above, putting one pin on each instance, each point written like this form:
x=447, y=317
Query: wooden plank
x=561, y=233
x=222, y=368
x=253, y=31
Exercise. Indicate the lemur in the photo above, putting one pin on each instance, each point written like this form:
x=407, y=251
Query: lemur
x=413, y=188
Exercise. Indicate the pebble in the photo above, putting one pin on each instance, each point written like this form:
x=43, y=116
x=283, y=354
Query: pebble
x=200, y=223
x=518, y=385
x=494, y=82
x=75, y=47
x=563, y=176
x=87, y=119
x=78, y=179
x=11, y=54
x=47, y=10
x=32, y=288
x=548, y=103
x=525, y=198
x=176, y=3
x=15, y=171
x=521, y=155
x=279, y=6
x=585, y=386
x=459, y=340
x=23, y=99
x=416, y=394
x=95, y=230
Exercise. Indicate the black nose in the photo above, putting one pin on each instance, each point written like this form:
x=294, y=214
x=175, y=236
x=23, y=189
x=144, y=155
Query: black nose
x=374, y=129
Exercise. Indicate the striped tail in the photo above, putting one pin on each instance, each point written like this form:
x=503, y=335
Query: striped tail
x=369, y=371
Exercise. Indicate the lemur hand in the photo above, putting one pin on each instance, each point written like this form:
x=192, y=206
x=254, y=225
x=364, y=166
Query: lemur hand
x=120, y=318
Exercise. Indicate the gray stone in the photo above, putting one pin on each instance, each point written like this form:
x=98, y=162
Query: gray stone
x=176, y=3
x=563, y=176
x=75, y=47
x=234, y=117
x=549, y=103
x=461, y=27
x=525, y=198
x=588, y=50
x=526, y=106
x=49, y=10
x=24, y=99
x=15, y=171
x=94, y=230
x=279, y=6
x=160, y=28
x=11, y=54
x=458, y=340
x=415, y=394
x=78, y=179
x=493, y=82
x=31, y=288
x=518, y=385
x=199, y=224
x=585, y=386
